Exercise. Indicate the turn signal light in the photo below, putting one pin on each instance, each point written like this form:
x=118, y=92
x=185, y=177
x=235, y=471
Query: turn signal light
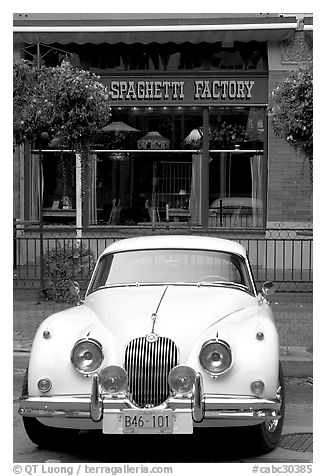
x=44, y=385
x=257, y=387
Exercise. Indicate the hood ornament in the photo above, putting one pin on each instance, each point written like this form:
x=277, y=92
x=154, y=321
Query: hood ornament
x=152, y=337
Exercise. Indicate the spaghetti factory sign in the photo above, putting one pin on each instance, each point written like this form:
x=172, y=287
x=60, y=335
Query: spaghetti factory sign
x=187, y=91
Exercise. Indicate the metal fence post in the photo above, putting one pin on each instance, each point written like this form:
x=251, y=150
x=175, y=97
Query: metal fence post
x=41, y=226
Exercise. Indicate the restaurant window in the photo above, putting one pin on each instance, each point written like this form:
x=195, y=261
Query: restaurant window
x=59, y=187
x=131, y=186
x=155, y=57
x=236, y=126
x=236, y=190
x=173, y=123
x=151, y=168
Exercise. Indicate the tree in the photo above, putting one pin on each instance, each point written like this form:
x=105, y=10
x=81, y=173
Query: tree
x=66, y=104
x=292, y=110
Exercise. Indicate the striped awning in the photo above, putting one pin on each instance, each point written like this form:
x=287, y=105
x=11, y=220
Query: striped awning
x=155, y=30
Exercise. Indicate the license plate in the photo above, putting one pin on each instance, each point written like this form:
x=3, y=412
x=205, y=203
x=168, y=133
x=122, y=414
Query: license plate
x=147, y=421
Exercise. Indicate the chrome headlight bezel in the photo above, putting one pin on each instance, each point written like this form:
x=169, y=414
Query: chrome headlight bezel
x=182, y=379
x=113, y=380
x=220, y=345
x=93, y=344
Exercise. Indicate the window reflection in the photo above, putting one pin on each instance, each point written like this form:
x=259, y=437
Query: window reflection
x=133, y=188
x=157, y=57
x=170, y=266
x=59, y=187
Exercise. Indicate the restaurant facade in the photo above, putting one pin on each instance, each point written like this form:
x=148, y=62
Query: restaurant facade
x=189, y=141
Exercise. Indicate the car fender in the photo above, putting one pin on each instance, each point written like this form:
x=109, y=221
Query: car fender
x=251, y=335
x=51, y=350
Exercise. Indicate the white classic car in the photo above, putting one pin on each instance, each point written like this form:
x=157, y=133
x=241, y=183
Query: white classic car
x=172, y=335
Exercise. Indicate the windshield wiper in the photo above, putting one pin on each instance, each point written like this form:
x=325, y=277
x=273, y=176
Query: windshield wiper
x=116, y=285
x=176, y=283
x=222, y=283
x=135, y=284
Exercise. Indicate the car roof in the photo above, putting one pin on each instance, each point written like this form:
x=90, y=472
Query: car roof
x=176, y=242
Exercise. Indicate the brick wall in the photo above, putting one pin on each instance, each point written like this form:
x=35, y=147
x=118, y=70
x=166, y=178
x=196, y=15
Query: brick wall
x=289, y=190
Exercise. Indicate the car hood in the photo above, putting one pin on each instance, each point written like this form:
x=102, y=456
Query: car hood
x=181, y=313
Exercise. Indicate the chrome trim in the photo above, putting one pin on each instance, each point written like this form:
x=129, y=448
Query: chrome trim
x=226, y=345
x=115, y=370
x=96, y=405
x=224, y=406
x=259, y=415
x=93, y=341
x=154, y=315
x=148, y=365
x=198, y=408
x=152, y=337
x=244, y=257
x=64, y=406
x=221, y=407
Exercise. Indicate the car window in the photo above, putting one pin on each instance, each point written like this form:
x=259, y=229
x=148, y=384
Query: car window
x=170, y=266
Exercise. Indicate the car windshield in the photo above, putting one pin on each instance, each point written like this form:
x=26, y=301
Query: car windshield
x=171, y=267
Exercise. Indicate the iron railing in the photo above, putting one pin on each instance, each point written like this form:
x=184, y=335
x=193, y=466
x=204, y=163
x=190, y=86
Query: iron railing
x=281, y=255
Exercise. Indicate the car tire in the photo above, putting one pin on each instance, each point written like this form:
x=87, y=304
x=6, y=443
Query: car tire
x=47, y=436
x=42, y=435
x=267, y=435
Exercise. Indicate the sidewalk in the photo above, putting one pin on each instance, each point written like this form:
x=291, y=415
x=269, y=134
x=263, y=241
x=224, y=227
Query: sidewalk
x=293, y=315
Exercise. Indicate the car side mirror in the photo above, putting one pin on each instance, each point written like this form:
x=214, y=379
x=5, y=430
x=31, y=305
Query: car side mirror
x=268, y=288
x=75, y=291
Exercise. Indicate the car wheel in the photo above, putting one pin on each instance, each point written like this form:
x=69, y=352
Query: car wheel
x=42, y=435
x=267, y=435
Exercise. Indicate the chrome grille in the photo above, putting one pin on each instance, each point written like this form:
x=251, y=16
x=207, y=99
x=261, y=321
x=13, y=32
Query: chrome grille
x=148, y=365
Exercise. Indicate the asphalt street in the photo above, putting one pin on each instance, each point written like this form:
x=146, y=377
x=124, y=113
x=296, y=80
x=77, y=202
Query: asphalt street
x=231, y=447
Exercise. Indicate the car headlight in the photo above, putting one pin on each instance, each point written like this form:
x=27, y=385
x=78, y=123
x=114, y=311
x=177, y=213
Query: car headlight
x=87, y=356
x=181, y=379
x=215, y=357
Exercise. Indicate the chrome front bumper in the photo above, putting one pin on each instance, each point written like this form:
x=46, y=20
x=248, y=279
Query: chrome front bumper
x=200, y=407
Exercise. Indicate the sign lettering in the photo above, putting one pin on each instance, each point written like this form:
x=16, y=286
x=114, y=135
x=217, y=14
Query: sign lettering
x=187, y=90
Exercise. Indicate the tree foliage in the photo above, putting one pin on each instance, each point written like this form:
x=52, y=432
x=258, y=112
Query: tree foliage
x=292, y=110
x=63, y=265
x=68, y=103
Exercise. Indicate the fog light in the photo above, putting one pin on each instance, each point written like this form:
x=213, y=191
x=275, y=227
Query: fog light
x=44, y=384
x=182, y=379
x=257, y=387
x=113, y=379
